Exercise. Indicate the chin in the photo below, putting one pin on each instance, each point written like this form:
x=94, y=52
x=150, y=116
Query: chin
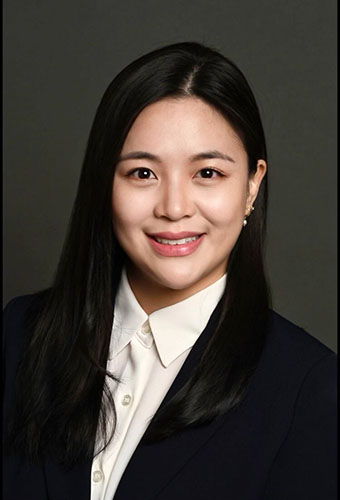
x=176, y=279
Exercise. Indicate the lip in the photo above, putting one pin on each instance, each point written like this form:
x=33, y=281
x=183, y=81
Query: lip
x=175, y=250
x=175, y=236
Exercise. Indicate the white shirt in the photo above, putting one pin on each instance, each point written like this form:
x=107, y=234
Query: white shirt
x=146, y=353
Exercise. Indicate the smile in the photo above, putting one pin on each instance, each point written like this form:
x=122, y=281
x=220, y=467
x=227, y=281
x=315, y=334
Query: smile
x=176, y=242
x=179, y=247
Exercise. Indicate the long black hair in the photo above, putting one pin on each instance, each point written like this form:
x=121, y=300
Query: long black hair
x=62, y=399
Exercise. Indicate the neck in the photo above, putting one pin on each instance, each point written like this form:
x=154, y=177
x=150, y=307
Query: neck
x=152, y=296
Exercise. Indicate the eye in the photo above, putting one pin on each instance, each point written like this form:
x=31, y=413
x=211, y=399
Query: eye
x=142, y=173
x=209, y=173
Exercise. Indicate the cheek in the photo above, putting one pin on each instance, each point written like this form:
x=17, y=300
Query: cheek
x=129, y=209
x=226, y=207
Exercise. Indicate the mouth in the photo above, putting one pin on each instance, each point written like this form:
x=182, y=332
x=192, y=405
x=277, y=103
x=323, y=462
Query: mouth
x=175, y=244
x=181, y=241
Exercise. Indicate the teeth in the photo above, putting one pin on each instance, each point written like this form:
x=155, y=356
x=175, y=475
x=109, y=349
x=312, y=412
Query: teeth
x=176, y=242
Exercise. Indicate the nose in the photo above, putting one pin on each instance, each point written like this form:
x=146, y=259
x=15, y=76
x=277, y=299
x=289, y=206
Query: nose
x=175, y=201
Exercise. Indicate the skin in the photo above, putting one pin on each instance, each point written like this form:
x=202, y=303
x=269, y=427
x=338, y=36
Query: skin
x=179, y=194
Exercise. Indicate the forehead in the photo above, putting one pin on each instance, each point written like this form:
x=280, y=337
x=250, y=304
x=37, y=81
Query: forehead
x=184, y=123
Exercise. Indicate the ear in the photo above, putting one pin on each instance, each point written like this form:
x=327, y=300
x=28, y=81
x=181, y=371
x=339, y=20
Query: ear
x=255, y=182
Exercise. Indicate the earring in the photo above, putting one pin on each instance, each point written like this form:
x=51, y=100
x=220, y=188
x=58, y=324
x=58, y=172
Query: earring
x=250, y=210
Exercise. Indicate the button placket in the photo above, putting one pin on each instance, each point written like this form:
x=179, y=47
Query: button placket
x=97, y=476
x=126, y=399
x=128, y=393
x=144, y=335
x=145, y=328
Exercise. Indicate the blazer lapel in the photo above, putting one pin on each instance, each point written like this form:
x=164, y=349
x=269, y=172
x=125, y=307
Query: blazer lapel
x=152, y=466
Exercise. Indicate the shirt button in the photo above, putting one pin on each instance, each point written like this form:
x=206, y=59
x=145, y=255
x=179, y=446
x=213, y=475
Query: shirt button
x=97, y=476
x=146, y=328
x=126, y=400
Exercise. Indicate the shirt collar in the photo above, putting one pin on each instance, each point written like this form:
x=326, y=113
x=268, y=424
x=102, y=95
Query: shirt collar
x=174, y=328
x=128, y=316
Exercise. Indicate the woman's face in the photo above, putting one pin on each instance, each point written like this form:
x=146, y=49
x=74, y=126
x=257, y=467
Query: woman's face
x=182, y=174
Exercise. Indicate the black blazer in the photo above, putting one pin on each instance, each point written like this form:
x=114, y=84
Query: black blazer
x=280, y=444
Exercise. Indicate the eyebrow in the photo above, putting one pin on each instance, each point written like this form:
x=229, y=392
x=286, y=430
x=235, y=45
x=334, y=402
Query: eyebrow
x=204, y=155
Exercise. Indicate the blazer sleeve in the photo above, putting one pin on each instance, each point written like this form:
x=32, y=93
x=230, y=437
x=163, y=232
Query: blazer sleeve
x=305, y=467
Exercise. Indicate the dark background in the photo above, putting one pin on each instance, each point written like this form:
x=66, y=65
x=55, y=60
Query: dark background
x=59, y=57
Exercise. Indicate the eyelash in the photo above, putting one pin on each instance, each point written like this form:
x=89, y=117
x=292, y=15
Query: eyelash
x=134, y=171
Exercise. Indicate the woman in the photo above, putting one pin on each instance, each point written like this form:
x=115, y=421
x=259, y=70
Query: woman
x=153, y=367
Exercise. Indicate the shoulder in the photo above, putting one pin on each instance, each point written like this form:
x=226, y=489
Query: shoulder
x=16, y=307
x=16, y=311
x=300, y=375
x=292, y=343
x=294, y=363
x=17, y=319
